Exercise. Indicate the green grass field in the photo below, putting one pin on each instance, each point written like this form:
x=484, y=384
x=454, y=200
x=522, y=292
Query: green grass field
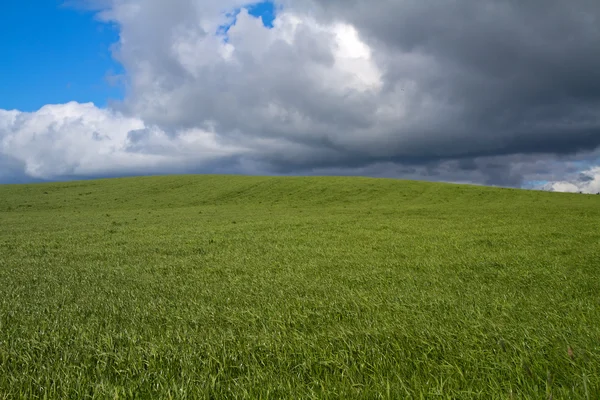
x=253, y=287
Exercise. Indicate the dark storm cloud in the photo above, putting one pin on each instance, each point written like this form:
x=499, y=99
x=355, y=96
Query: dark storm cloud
x=525, y=74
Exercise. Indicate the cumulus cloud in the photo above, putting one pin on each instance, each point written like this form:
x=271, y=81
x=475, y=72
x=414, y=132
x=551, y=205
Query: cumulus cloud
x=82, y=140
x=587, y=181
x=494, y=92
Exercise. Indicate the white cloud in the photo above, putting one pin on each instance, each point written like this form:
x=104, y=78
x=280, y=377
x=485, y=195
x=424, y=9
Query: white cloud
x=588, y=182
x=80, y=139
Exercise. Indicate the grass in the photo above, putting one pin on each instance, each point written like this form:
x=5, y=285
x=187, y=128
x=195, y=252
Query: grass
x=265, y=287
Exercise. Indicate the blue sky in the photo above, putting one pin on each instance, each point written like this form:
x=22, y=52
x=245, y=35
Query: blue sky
x=265, y=10
x=52, y=54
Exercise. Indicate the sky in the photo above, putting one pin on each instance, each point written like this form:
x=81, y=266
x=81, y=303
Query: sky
x=494, y=92
x=54, y=54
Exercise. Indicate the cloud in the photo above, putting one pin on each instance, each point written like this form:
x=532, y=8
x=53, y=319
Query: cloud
x=494, y=92
x=587, y=181
x=82, y=140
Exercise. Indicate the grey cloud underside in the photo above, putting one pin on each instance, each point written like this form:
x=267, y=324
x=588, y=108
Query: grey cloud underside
x=508, y=171
x=12, y=170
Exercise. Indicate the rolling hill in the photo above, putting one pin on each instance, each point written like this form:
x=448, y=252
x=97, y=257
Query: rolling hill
x=297, y=287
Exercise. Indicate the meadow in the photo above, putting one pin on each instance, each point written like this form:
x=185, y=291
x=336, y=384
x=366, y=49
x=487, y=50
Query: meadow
x=222, y=287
